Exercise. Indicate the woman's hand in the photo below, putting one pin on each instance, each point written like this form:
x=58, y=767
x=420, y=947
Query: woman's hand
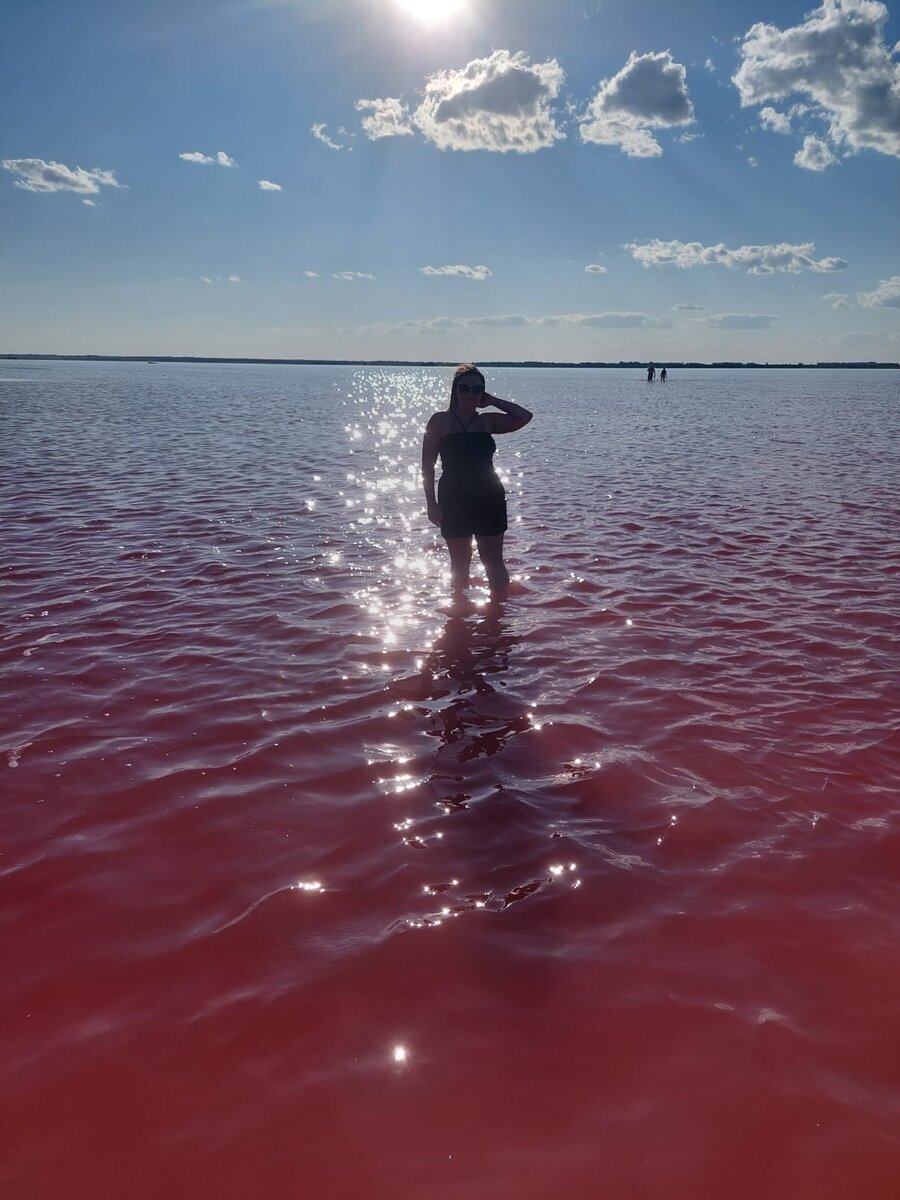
x=434, y=512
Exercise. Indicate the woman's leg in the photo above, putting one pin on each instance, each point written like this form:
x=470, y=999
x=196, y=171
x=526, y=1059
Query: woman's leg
x=460, y=560
x=490, y=551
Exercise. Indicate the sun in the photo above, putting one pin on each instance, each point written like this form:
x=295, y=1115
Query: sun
x=430, y=12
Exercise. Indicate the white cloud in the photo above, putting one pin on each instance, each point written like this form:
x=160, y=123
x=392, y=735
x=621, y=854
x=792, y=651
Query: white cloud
x=37, y=175
x=312, y=274
x=886, y=295
x=739, y=321
x=758, y=260
x=710, y=66
x=205, y=279
x=838, y=299
x=318, y=131
x=687, y=308
x=90, y=203
x=650, y=92
x=770, y=118
x=595, y=269
x=502, y=103
x=234, y=279
x=507, y=322
x=221, y=159
x=479, y=272
x=838, y=59
x=448, y=324
x=385, y=118
x=606, y=320
x=351, y=276
x=266, y=185
x=814, y=155
x=624, y=320
x=428, y=325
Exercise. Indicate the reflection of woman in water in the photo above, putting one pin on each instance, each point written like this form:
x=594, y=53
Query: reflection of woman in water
x=470, y=499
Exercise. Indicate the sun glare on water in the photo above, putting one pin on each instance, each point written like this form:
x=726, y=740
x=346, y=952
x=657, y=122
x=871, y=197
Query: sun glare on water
x=430, y=12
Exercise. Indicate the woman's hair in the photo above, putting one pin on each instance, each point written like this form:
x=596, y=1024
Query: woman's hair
x=461, y=370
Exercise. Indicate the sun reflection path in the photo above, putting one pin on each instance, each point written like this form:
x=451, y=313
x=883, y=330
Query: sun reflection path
x=445, y=671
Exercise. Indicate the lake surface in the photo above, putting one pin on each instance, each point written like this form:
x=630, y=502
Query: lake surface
x=313, y=884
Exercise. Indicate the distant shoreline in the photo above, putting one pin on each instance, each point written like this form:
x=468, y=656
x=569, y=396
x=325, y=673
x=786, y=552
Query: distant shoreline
x=396, y=362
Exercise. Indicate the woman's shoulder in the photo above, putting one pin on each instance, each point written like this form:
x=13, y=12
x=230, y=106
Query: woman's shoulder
x=438, y=422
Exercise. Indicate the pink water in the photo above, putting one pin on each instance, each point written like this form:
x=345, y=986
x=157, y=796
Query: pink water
x=312, y=885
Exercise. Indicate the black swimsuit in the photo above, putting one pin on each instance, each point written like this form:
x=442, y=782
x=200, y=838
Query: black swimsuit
x=472, y=499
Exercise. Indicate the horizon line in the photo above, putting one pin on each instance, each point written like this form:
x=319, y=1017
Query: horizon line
x=400, y=362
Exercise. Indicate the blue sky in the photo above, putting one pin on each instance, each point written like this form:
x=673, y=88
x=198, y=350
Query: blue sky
x=629, y=179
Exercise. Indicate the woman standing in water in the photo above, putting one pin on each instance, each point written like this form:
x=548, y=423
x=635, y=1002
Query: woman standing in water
x=470, y=499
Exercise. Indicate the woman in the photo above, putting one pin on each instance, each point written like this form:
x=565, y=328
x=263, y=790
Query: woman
x=470, y=499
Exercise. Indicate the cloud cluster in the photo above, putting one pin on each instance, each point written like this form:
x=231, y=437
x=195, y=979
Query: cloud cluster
x=351, y=276
x=650, y=92
x=838, y=299
x=757, y=260
x=838, y=58
x=37, y=175
x=220, y=159
x=886, y=295
x=506, y=103
x=266, y=185
x=479, y=272
x=388, y=117
x=595, y=269
x=501, y=103
x=607, y=320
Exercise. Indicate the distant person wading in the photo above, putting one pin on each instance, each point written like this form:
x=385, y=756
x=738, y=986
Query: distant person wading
x=470, y=500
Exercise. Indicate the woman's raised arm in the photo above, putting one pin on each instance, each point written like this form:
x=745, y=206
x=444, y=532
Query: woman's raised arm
x=511, y=416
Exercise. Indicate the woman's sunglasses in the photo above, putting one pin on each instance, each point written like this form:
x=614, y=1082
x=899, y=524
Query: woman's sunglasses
x=474, y=388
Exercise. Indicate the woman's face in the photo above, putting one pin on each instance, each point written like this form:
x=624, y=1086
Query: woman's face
x=469, y=387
